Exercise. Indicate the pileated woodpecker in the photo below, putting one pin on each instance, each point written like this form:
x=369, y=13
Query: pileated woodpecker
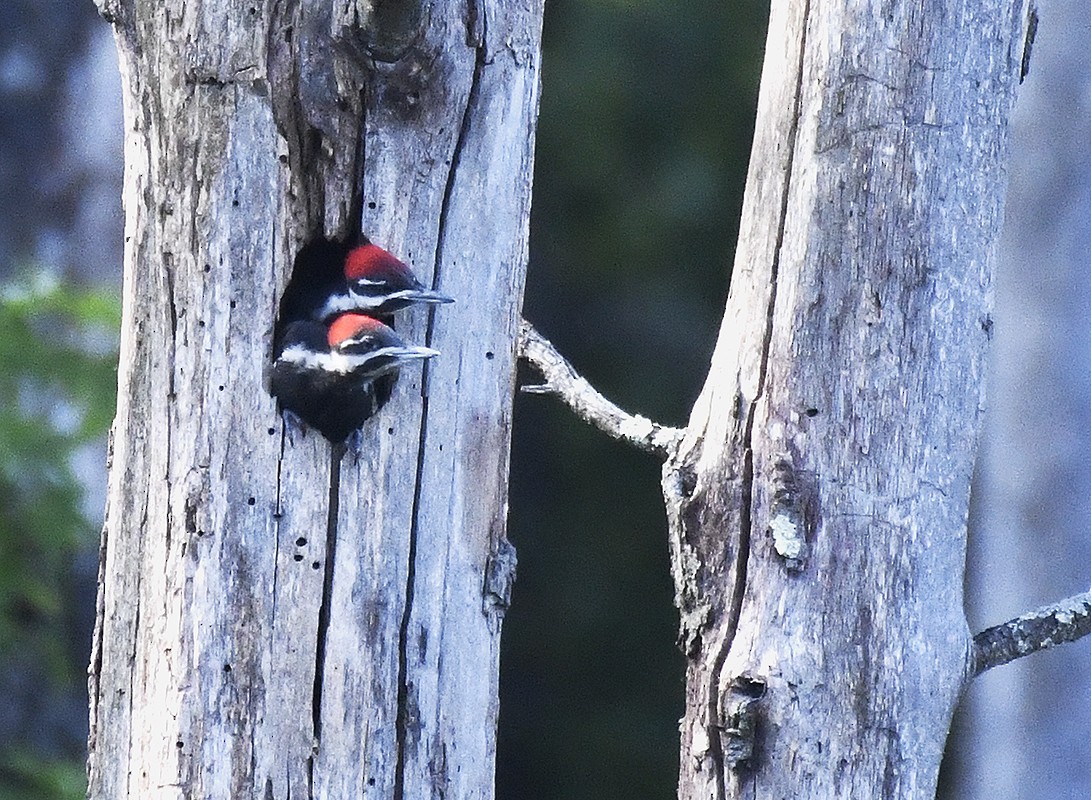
x=331, y=277
x=381, y=284
x=334, y=363
x=327, y=375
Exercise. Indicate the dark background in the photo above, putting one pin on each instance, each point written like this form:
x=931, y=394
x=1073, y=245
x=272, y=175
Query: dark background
x=643, y=142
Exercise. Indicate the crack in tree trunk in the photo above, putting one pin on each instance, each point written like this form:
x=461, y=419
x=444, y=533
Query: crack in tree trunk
x=337, y=452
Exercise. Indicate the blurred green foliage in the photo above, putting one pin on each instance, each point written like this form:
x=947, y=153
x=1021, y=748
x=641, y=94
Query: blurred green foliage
x=58, y=351
x=28, y=776
x=643, y=143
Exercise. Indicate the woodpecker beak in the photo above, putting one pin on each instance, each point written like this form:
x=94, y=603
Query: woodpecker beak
x=425, y=296
x=410, y=352
x=387, y=359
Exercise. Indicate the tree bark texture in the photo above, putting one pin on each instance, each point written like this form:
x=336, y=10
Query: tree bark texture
x=818, y=501
x=274, y=622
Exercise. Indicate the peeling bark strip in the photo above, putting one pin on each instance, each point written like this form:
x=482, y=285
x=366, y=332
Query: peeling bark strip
x=268, y=616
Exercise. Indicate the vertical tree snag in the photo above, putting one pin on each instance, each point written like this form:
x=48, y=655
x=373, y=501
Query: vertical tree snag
x=818, y=501
x=273, y=622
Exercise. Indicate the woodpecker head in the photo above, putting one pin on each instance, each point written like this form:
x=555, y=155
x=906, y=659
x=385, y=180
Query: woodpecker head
x=372, y=348
x=330, y=277
x=334, y=378
x=380, y=283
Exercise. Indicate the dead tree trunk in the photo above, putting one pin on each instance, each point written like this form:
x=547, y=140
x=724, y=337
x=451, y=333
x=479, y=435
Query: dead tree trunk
x=272, y=623
x=818, y=501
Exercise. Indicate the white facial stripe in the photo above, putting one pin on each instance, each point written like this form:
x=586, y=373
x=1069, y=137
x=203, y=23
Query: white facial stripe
x=389, y=295
x=344, y=363
x=336, y=303
x=337, y=362
x=365, y=301
x=368, y=301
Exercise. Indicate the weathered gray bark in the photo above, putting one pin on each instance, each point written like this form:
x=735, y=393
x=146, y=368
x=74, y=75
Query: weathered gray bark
x=818, y=501
x=230, y=660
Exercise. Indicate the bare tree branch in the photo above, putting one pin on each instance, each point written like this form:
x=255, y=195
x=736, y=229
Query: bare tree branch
x=588, y=404
x=1062, y=622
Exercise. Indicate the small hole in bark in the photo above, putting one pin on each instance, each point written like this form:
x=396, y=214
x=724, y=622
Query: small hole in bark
x=371, y=204
x=220, y=387
x=284, y=159
x=208, y=268
x=179, y=744
x=489, y=355
x=272, y=431
x=390, y=431
x=232, y=304
x=300, y=541
x=227, y=667
x=235, y=203
x=250, y=501
x=297, y=557
x=811, y=412
x=315, y=564
x=687, y=480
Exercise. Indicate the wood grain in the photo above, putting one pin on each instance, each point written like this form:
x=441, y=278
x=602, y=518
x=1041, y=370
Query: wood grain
x=250, y=128
x=818, y=502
